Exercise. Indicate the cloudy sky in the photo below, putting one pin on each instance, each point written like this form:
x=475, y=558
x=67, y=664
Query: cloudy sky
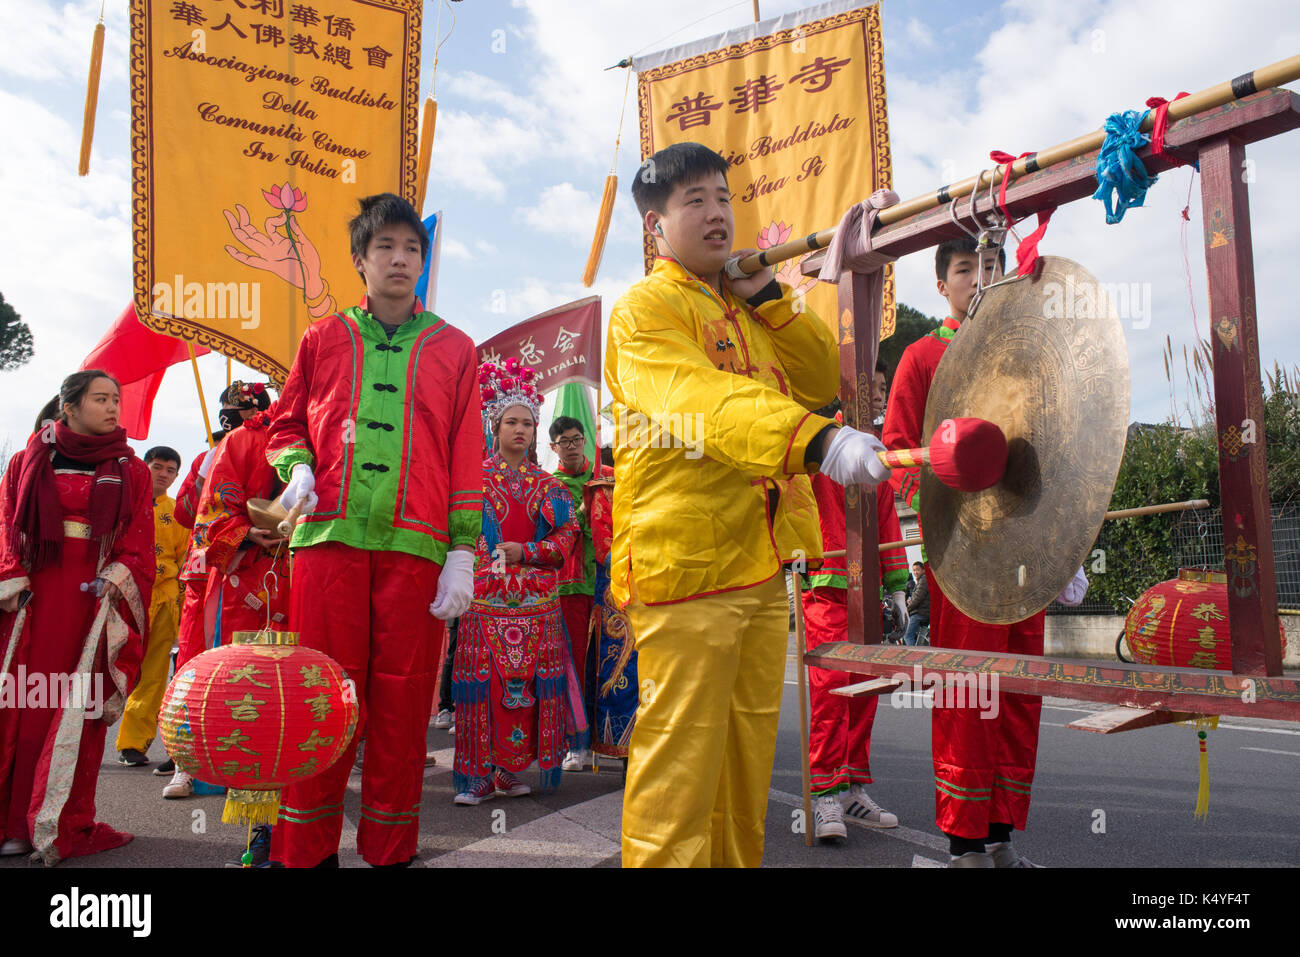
x=526, y=126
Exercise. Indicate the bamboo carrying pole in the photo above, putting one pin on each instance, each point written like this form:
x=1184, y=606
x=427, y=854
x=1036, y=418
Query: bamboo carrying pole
x=1275, y=74
x=801, y=651
x=1192, y=504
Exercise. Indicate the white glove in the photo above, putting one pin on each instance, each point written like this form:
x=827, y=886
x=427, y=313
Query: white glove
x=301, y=488
x=899, y=598
x=455, y=586
x=1074, y=592
x=851, y=459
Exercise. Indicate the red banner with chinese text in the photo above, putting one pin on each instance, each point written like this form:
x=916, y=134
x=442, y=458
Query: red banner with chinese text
x=561, y=344
x=797, y=106
x=256, y=125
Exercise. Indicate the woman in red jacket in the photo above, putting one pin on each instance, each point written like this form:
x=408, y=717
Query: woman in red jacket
x=76, y=576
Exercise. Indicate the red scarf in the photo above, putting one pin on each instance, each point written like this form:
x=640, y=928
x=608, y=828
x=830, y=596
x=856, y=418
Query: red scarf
x=39, y=517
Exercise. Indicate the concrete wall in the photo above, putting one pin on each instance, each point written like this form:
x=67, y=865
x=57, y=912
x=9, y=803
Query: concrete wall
x=1093, y=636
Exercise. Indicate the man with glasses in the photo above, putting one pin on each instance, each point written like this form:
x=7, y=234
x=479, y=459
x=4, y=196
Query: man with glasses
x=577, y=580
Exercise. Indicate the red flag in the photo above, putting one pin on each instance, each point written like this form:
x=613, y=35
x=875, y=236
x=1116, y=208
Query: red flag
x=137, y=357
x=561, y=344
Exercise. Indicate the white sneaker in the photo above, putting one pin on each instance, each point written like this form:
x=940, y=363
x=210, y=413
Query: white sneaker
x=576, y=760
x=866, y=811
x=13, y=847
x=452, y=729
x=443, y=720
x=828, y=819
x=180, y=786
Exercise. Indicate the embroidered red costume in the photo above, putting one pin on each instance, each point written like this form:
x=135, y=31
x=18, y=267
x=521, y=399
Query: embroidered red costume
x=512, y=681
x=241, y=578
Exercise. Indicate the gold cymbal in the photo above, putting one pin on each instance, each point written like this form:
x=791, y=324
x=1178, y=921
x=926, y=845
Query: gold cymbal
x=1045, y=359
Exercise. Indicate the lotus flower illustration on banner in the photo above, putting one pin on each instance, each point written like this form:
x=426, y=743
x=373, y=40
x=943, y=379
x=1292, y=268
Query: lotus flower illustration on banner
x=774, y=234
x=282, y=247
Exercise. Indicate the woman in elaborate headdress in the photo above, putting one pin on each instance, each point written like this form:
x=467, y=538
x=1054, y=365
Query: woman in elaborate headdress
x=513, y=683
x=76, y=576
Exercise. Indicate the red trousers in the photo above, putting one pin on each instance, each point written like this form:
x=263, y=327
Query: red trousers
x=839, y=734
x=369, y=611
x=983, y=758
x=59, y=618
x=576, y=610
x=191, y=638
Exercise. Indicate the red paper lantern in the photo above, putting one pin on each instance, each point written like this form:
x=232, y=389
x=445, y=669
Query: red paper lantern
x=258, y=717
x=1183, y=623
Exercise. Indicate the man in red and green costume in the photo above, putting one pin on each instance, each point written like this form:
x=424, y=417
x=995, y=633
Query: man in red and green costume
x=378, y=437
x=577, y=578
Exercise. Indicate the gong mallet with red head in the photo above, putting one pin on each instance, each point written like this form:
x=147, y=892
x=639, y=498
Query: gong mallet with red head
x=965, y=454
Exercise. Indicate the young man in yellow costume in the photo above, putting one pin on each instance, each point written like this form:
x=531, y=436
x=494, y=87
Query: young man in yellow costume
x=713, y=382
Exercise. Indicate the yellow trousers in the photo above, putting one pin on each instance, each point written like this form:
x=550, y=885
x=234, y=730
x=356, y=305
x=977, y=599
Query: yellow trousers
x=700, y=760
x=140, y=718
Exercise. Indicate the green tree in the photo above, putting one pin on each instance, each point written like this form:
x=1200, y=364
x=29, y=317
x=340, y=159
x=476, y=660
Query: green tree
x=910, y=325
x=15, y=338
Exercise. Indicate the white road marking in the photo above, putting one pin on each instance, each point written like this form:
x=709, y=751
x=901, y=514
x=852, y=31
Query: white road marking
x=1294, y=754
x=919, y=861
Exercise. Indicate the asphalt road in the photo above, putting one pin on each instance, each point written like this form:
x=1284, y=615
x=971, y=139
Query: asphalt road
x=1121, y=800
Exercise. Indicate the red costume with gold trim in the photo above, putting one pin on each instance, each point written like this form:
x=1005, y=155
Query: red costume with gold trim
x=51, y=747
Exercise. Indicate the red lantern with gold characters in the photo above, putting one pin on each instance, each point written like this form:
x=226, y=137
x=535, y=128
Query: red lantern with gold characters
x=258, y=717
x=1182, y=622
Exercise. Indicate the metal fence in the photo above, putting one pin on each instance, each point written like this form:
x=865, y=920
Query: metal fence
x=1196, y=539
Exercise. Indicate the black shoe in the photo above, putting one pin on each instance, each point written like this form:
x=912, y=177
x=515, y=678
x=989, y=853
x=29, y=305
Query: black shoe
x=132, y=758
x=259, y=849
x=330, y=862
x=406, y=863
x=166, y=768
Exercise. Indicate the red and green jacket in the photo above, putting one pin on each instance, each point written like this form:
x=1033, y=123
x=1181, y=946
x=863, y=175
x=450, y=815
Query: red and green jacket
x=905, y=411
x=578, y=576
x=392, y=430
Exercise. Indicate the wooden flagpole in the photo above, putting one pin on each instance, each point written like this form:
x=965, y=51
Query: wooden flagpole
x=198, y=384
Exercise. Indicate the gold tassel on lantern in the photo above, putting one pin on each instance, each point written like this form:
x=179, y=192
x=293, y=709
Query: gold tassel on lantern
x=1202, y=725
x=92, y=96
x=607, y=198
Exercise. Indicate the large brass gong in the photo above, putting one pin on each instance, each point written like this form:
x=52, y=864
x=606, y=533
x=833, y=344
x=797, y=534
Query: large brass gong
x=1045, y=359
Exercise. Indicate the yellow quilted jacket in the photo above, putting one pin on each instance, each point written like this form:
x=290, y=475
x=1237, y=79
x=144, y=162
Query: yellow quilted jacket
x=711, y=410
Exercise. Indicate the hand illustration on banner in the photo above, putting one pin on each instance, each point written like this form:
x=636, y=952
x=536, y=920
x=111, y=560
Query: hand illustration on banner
x=774, y=234
x=283, y=248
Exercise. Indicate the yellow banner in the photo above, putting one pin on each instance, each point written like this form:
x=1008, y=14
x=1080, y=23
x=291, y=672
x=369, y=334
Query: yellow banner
x=800, y=115
x=255, y=127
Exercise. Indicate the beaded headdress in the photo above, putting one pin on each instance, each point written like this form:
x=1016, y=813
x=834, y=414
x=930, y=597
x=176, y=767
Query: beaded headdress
x=248, y=395
x=502, y=386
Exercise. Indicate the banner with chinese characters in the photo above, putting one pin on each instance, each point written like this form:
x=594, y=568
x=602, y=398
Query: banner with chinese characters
x=256, y=125
x=796, y=104
x=561, y=344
